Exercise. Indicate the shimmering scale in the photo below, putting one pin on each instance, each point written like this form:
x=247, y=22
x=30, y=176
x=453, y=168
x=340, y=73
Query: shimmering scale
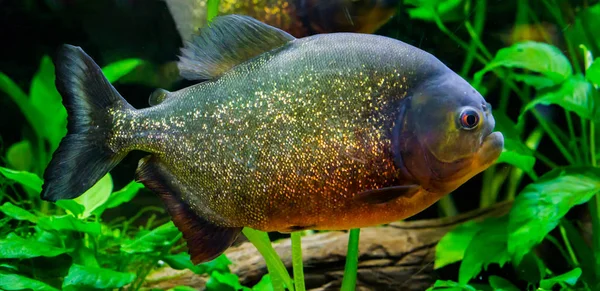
x=288, y=138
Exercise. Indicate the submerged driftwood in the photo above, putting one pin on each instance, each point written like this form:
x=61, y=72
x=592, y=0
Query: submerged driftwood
x=398, y=256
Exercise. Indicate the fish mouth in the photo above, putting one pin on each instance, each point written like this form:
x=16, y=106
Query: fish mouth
x=490, y=150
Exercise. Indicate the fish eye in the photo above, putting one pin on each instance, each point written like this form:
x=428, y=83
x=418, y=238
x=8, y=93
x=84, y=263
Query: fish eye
x=469, y=119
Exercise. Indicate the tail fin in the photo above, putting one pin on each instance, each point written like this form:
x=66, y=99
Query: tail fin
x=82, y=157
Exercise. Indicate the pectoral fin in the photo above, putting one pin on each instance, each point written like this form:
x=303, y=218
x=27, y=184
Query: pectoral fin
x=384, y=195
x=205, y=240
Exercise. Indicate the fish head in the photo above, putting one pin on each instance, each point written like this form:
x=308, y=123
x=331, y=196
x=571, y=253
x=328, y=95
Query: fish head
x=447, y=134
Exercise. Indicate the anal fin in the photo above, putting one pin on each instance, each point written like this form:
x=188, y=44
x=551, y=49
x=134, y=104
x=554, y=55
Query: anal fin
x=205, y=240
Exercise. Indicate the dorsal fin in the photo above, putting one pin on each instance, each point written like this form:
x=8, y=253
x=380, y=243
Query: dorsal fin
x=226, y=42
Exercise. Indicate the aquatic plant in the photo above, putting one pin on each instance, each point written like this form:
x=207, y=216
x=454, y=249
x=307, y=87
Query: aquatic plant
x=539, y=209
x=69, y=246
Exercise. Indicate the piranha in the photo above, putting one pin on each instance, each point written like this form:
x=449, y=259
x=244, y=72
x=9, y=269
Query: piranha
x=298, y=17
x=328, y=132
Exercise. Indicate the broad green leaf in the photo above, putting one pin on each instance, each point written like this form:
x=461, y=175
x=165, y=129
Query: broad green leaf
x=20, y=156
x=17, y=212
x=575, y=94
x=448, y=10
x=71, y=206
x=70, y=223
x=18, y=282
x=29, y=180
x=151, y=241
x=517, y=154
x=50, y=238
x=228, y=281
x=538, y=82
x=501, y=284
x=540, y=205
x=264, y=284
x=46, y=99
x=450, y=286
x=570, y=278
x=83, y=255
x=593, y=72
x=100, y=278
x=116, y=70
x=538, y=57
x=22, y=100
x=488, y=246
x=15, y=247
x=451, y=248
x=119, y=197
x=95, y=197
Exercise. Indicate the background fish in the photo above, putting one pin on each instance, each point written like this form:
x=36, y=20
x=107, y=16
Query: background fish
x=297, y=17
x=332, y=131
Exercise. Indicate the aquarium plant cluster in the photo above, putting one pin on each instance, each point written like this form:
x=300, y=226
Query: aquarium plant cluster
x=548, y=113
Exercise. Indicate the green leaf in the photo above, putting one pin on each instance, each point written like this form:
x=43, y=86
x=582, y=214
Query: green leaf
x=70, y=223
x=585, y=254
x=228, y=281
x=22, y=100
x=264, y=284
x=29, y=180
x=588, y=58
x=501, y=284
x=100, y=278
x=71, y=206
x=451, y=248
x=17, y=212
x=275, y=266
x=20, y=156
x=593, y=72
x=95, y=197
x=151, y=241
x=15, y=247
x=182, y=261
x=570, y=278
x=450, y=286
x=487, y=246
x=48, y=102
x=212, y=9
x=538, y=82
x=448, y=10
x=540, y=205
x=575, y=94
x=116, y=70
x=517, y=154
x=119, y=197
x=18, y=282
x=538, y=57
